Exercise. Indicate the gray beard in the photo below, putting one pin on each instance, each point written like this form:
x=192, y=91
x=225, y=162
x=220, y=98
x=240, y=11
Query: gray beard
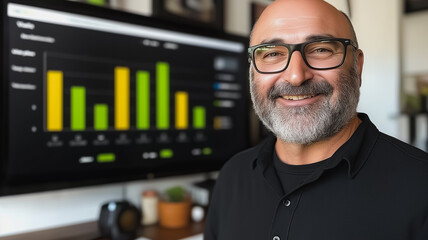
x=311, y=123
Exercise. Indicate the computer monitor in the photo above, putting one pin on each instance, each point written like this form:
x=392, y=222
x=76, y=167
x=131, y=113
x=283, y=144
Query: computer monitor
x=92, y=95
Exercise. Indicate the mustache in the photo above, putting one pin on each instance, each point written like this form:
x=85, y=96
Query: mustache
x=309, y=87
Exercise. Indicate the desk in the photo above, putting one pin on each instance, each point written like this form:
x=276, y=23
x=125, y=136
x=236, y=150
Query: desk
x=157, y=232
x=89, y=231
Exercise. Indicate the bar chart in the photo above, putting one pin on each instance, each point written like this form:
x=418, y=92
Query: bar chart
x=73, y=106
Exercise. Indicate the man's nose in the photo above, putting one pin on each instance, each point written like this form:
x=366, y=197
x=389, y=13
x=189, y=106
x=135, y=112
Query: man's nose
x=297, y=71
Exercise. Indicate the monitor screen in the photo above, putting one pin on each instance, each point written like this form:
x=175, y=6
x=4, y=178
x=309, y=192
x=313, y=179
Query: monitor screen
x=91, y=95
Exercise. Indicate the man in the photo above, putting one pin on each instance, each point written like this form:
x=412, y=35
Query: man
x=328, y=173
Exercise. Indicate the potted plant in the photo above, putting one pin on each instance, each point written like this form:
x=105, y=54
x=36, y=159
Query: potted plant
x=174, y=208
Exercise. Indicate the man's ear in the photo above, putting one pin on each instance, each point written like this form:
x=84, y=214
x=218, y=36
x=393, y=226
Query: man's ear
x=360, y=59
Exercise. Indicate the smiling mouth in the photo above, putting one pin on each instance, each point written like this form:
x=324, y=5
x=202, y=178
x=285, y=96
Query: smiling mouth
x=297, y=97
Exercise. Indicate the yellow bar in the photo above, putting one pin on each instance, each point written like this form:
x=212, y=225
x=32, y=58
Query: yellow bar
x=121, y=98
x=217, y=123
x=181, y=110
x=54, y=121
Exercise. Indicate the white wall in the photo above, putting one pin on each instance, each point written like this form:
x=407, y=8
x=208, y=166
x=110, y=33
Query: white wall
x=29, y=212
x=237, y=14
x=143, y=7
x=415, y=43
x=377, y=26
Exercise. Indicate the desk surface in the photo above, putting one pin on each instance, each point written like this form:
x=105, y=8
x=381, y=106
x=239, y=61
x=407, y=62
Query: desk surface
x=89, y=230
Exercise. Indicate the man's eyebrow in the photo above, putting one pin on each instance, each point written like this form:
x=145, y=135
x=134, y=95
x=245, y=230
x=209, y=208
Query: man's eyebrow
x=319, y=37
x=308, y=38
x=273, y=41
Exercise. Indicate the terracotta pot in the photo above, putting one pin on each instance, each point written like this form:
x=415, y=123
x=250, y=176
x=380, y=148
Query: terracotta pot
x=174, y=214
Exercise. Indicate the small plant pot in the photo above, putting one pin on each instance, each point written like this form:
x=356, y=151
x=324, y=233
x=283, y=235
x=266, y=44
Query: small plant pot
x=174, y=214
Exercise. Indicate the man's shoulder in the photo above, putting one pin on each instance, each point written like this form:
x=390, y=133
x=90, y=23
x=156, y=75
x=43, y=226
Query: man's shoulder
x=243, y=158
x=247, y=153
x=409, y=161
x=402, y=149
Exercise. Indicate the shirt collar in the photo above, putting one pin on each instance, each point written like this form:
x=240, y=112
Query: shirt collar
x=355, y=151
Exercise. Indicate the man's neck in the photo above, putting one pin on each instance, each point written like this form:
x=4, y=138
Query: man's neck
x=296, y=154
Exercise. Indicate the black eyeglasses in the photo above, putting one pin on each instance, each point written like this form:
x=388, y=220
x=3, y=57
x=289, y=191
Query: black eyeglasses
x=321, y=54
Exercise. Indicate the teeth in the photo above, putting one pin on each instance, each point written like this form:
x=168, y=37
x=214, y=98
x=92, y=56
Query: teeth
x=295, y=98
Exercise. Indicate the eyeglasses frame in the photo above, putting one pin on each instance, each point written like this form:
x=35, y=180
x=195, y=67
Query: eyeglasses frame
x=299, y=47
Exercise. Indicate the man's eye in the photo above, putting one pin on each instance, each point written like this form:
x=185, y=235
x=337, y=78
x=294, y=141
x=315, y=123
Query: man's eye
x=322, y=50
x=273, y=54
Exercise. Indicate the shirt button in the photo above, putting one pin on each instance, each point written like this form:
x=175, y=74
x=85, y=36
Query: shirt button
x=286, y=202
x=276, y=238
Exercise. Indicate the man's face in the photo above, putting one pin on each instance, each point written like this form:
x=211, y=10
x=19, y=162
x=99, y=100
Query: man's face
x=301, y=105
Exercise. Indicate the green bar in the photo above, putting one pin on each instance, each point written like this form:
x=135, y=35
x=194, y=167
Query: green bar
x=199, y=117
x=207, y=151
x=100, y=117
x=162, y=95
x=106, y=157
x=97, y=2
x=166, y=153
x=216, y=103
x=143, y=99
x=78, y=108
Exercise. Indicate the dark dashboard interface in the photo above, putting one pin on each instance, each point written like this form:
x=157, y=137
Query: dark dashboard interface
x=96, y=99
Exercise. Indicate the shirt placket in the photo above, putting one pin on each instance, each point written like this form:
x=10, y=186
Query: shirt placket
x=283, y=219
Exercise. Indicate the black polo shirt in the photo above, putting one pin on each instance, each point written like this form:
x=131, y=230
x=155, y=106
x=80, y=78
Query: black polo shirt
x=374, y=187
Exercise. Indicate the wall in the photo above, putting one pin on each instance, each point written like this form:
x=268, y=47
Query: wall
x=415, y=39
x=377, y=25
x=30, y=212
x=238, y=14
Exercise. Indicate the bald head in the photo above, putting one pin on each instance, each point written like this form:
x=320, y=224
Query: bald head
x=295, y=20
